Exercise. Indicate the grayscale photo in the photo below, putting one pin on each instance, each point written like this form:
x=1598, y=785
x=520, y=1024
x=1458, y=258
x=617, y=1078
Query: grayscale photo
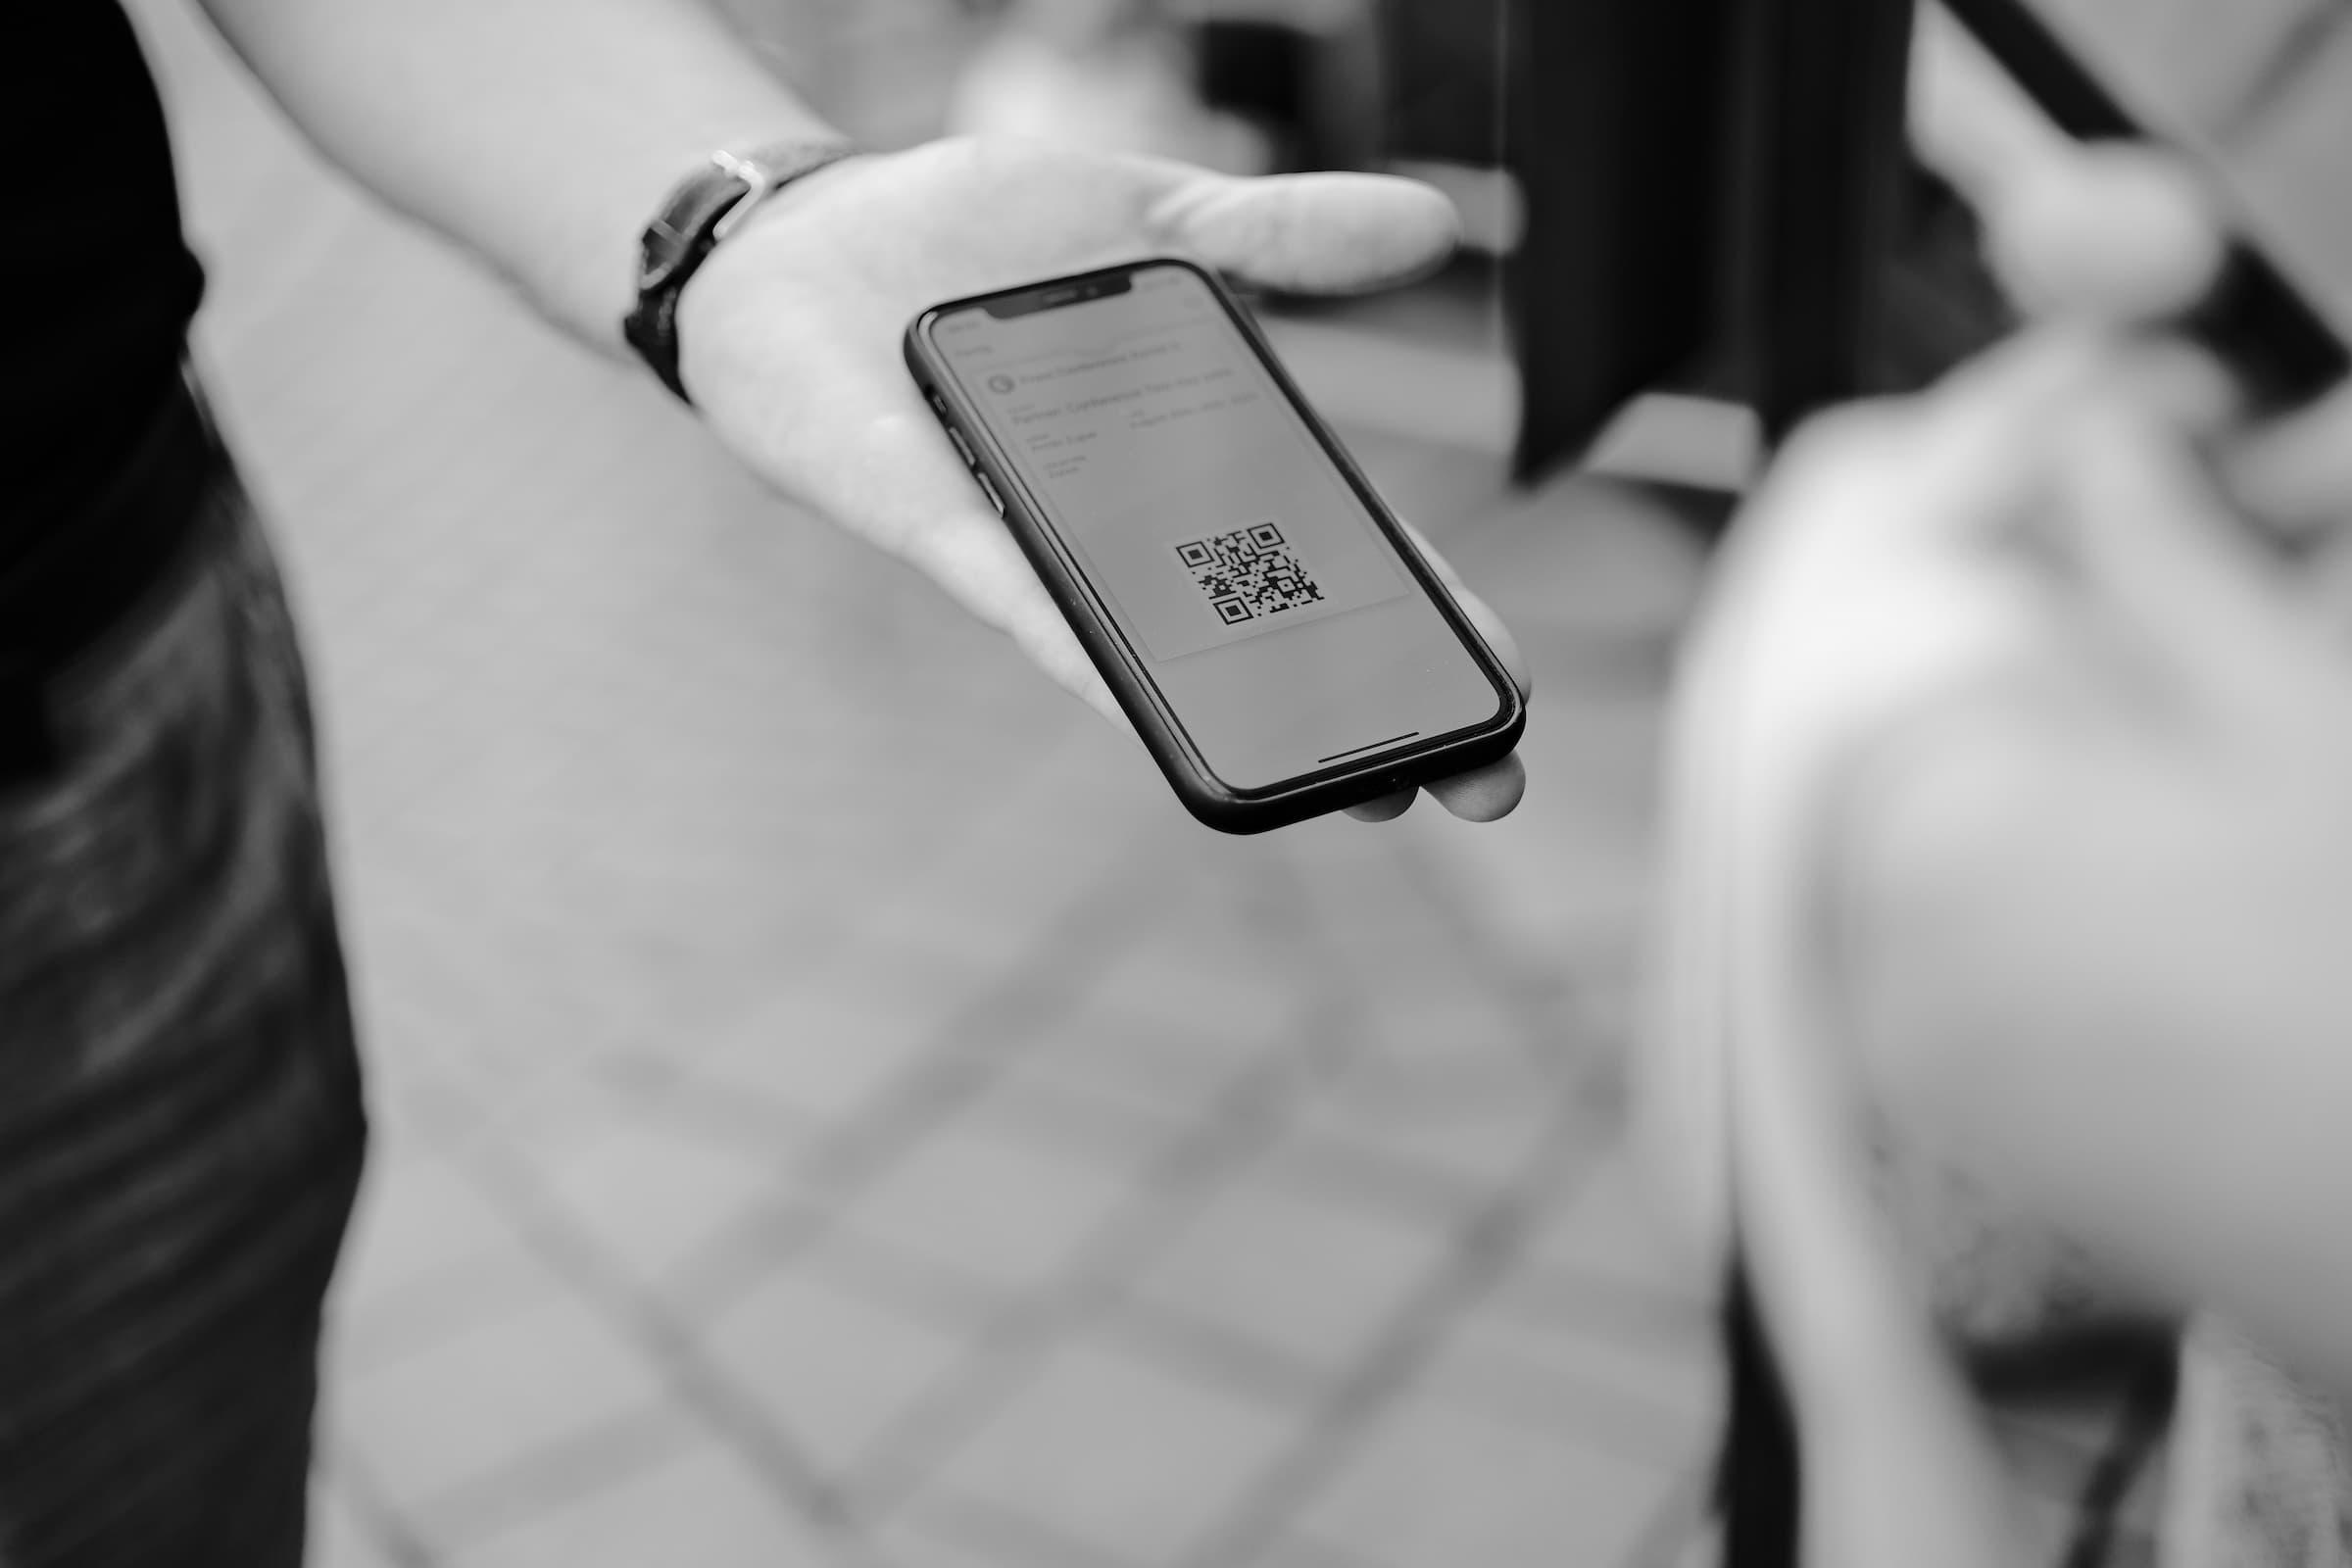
x=1176, y=784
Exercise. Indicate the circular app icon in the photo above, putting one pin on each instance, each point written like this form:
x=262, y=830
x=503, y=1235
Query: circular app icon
x=1000, y=384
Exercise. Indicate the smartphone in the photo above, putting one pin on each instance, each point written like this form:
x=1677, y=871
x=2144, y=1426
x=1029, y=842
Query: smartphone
x=1278, y=641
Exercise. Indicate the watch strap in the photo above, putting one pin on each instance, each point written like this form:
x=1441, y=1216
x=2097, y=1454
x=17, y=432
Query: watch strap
x=703, y=210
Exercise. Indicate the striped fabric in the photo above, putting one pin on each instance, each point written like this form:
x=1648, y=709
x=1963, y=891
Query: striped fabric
x=180, y=1126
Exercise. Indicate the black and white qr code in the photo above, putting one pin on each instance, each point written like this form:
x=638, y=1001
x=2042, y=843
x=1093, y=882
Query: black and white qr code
x=1249, y=573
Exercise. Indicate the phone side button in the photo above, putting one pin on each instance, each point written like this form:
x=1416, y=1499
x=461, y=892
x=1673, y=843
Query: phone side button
x=963, y=449
x=995, y=500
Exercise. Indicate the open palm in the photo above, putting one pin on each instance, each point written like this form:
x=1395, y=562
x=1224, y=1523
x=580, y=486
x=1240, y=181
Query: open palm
x=790, y=336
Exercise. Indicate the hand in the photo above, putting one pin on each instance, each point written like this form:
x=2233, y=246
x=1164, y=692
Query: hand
x=2094, y=910
x=2079, y=749
x=791, y=342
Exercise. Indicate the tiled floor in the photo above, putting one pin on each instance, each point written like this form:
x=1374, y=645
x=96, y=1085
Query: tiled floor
x=833, y=1105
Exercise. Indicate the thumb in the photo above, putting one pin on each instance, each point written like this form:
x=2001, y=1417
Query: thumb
x=2110, y=232
x=1309, y=233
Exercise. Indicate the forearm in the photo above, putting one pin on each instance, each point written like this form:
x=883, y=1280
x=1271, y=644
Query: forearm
x=538, y=133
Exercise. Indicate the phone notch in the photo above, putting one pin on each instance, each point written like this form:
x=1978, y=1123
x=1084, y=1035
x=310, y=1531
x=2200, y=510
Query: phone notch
x=1055, y=296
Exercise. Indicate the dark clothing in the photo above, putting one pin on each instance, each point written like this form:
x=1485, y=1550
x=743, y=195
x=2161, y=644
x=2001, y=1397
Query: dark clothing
x=100, y=289
x=85, y=573
x=181, y=1125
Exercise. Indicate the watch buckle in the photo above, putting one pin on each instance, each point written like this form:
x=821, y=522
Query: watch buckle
x=757, y=183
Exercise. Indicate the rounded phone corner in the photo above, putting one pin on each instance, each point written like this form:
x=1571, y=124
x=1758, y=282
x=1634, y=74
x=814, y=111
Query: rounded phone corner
x=1193, y=265
x=914, y=344
x=1209, y=802
x=1511, y=722
x=1492, y=742
x=1225, y=817
x=1213, y=802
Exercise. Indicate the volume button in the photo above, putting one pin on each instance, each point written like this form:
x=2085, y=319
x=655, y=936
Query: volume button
x=995, y=500
x=962, y=446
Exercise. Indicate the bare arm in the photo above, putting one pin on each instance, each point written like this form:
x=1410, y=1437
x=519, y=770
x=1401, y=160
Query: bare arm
x=539, y=133
x=543, y=133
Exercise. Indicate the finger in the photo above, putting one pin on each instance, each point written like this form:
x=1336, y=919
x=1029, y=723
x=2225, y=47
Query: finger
x=1483, y=793
x=1481, y=614
x=970, y=555
x=2114, y=232
x=1387, y=809
x=2295, y=473
x=1307, y=233
x=912, y=496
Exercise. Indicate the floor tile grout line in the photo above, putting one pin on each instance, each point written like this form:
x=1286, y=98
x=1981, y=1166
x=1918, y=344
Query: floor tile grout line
x=1070, y=1114
x=1686, y=1509
x=972, y=1055
x=852, y=937
x=1604, y=1412
x=1024, y=1339
x=680, y=1099
x=882, y=1275
x=1029, y=1542
x=664, y=1073
x=1280, y=1070
x=1248, y=1121
x=956, y=1301
x=1220, y=1354
x=387, y=1527
x=2283, y=68
x=1344, y=980
x=1348, y=1164
x=463, y=1292
x=1486, y=1245
x=1592, y=1300
x=545, y=1479
x=544, y=1226
x=1533, y=1008
x=555, y=1236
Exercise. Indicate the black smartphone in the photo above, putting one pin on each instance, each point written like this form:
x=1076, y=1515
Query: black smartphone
x=1263, y=618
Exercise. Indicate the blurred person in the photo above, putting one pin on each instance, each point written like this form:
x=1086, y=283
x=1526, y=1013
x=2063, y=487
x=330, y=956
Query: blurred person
x=2010, y=816
x=181, y=1117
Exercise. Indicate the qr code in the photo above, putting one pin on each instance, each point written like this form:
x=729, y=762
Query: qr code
x=1249, y=573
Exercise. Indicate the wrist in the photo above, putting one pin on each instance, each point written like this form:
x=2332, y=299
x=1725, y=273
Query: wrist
x=702, y=214
x=786, y=252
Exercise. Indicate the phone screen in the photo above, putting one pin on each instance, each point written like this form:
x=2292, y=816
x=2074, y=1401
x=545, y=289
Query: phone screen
x=1268, y=605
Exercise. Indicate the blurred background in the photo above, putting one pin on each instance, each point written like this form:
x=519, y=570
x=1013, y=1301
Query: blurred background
x=831, y=1103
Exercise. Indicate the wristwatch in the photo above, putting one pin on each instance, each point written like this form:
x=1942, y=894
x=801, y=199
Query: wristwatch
x=705, y=209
